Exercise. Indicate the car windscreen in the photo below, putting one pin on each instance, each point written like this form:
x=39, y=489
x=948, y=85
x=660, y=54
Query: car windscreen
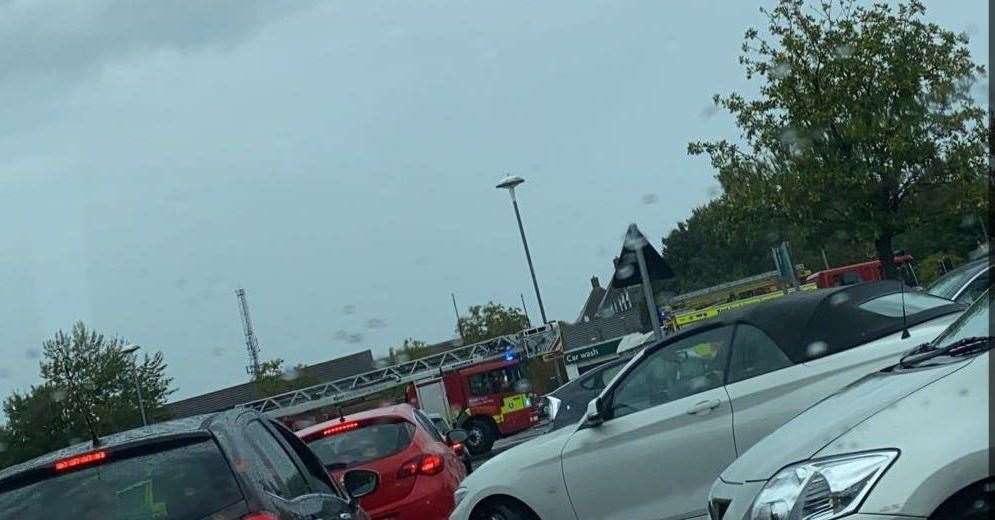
x=891, y=304
x=366, y=442
x=973, y=323
x=947, y=285
x=178, y=483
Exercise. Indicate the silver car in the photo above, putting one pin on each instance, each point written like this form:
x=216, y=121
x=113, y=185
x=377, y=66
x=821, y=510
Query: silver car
x=910, y=441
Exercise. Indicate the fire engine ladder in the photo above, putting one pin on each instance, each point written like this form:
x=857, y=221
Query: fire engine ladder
x=532, y=342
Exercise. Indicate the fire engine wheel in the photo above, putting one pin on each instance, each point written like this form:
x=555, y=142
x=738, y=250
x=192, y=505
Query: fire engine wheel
x=480, y=436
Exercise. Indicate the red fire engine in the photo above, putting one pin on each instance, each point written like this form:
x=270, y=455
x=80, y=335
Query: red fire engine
x=862, y=272
x=489, y=400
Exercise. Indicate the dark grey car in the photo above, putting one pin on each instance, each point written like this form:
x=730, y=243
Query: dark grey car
x=226, y=466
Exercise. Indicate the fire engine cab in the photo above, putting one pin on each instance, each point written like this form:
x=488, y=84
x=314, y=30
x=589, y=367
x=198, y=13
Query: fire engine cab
x=489, y=400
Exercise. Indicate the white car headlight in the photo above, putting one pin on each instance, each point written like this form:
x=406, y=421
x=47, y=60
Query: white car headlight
x=458, y=495
x=554, y=406
x=822, y=489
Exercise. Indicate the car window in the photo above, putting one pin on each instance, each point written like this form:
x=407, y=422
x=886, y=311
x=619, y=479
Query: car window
x=499, y=380
x=609, y=373
x=976, y=288
x=275, y=470
x=311, y=462
x=891, y=304
x=754, y=353
x=429, y=426
x=365, y=443
x=947, y=285
x=180, y=483
x=689, y=366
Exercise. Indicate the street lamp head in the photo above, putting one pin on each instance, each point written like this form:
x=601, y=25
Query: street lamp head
x=510, y=182
x=130, y=348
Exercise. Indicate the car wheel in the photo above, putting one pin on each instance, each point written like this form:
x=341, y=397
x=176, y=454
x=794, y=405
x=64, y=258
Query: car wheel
x=480, y=436
x=973, y=503
x=504, y=510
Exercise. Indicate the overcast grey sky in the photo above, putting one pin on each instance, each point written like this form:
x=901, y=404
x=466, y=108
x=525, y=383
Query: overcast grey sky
x=337, y=160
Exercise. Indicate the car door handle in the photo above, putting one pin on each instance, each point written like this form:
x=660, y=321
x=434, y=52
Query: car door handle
x=704, y=406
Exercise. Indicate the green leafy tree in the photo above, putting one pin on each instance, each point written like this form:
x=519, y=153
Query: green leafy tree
x=273, y=379
x=86, y=379
x=489, y=321
x=409, y=350
x=864, y=118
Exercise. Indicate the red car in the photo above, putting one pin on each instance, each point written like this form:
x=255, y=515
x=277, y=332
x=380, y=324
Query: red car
x=419, y=468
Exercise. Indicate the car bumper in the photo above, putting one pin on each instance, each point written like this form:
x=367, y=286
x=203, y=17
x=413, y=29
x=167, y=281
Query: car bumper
x=728, y=501
x=430, y=499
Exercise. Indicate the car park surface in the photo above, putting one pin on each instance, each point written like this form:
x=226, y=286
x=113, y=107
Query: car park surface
x=235, y=465
x=419, y=468
x=906, y=442
x=673, y=405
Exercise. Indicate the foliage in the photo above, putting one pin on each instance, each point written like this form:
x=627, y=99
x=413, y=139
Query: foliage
x=489, y=321
x=863, y=120
x=273, y=379
x=409, y=350
x=85, y=376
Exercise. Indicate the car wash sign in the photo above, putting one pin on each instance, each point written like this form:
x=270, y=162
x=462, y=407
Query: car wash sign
x=590, y=352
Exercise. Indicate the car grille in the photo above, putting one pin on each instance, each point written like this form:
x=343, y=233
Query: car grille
x=717, y=508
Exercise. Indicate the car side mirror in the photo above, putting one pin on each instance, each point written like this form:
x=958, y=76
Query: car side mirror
x=360, y=482
x=456, y=436
x=595, y=414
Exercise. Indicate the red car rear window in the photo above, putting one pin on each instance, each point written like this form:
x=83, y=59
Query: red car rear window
x=370, y=440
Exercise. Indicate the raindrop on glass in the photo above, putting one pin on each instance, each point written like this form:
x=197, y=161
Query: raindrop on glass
x=714, y=191
x=650, y=198
x=843, y=51
x=217, y=351
x=709, y=111
x=816, y=349
x=839, y=298
x=375, y=323
x=3, y=447
x=4, y=373
x=349, y=309
x=290, y=374
x=780, y=70
x=523, y=385
x=625, y=271
x=32, y=353
x=58, y=395
x=354, y=338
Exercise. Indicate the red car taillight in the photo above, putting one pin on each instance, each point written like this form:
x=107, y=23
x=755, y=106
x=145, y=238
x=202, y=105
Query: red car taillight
x=260, y=516
x=421, y=465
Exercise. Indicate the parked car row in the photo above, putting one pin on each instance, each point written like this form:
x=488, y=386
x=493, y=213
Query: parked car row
x=664, y=428
x=860, y=400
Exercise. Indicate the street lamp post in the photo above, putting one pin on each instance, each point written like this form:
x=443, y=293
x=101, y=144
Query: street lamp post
x=509, y=183
x=131, y=349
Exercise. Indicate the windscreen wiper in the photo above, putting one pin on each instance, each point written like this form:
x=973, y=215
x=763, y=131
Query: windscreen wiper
x=961, y=347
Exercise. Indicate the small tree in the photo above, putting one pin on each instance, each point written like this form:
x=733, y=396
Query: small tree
x=489, y=321
x=864, y=115
x=273, y=379
x=87, y=379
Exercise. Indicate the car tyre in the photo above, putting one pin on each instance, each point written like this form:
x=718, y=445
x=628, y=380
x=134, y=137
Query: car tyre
x=504, y=510
x=480, y=436
x=973, y=503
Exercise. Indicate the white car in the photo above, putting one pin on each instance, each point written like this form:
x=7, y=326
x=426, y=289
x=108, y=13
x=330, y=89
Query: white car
x=682, y=410
x=909, y=442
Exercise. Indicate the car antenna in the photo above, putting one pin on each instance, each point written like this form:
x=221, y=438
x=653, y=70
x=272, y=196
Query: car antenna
x=905, y=317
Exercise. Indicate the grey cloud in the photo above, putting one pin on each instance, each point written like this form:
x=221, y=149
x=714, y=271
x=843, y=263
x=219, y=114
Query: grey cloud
x=64, y=41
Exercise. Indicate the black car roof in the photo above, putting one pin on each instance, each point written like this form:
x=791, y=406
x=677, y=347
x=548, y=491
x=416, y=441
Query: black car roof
x=198, y=423
x=831, y=316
